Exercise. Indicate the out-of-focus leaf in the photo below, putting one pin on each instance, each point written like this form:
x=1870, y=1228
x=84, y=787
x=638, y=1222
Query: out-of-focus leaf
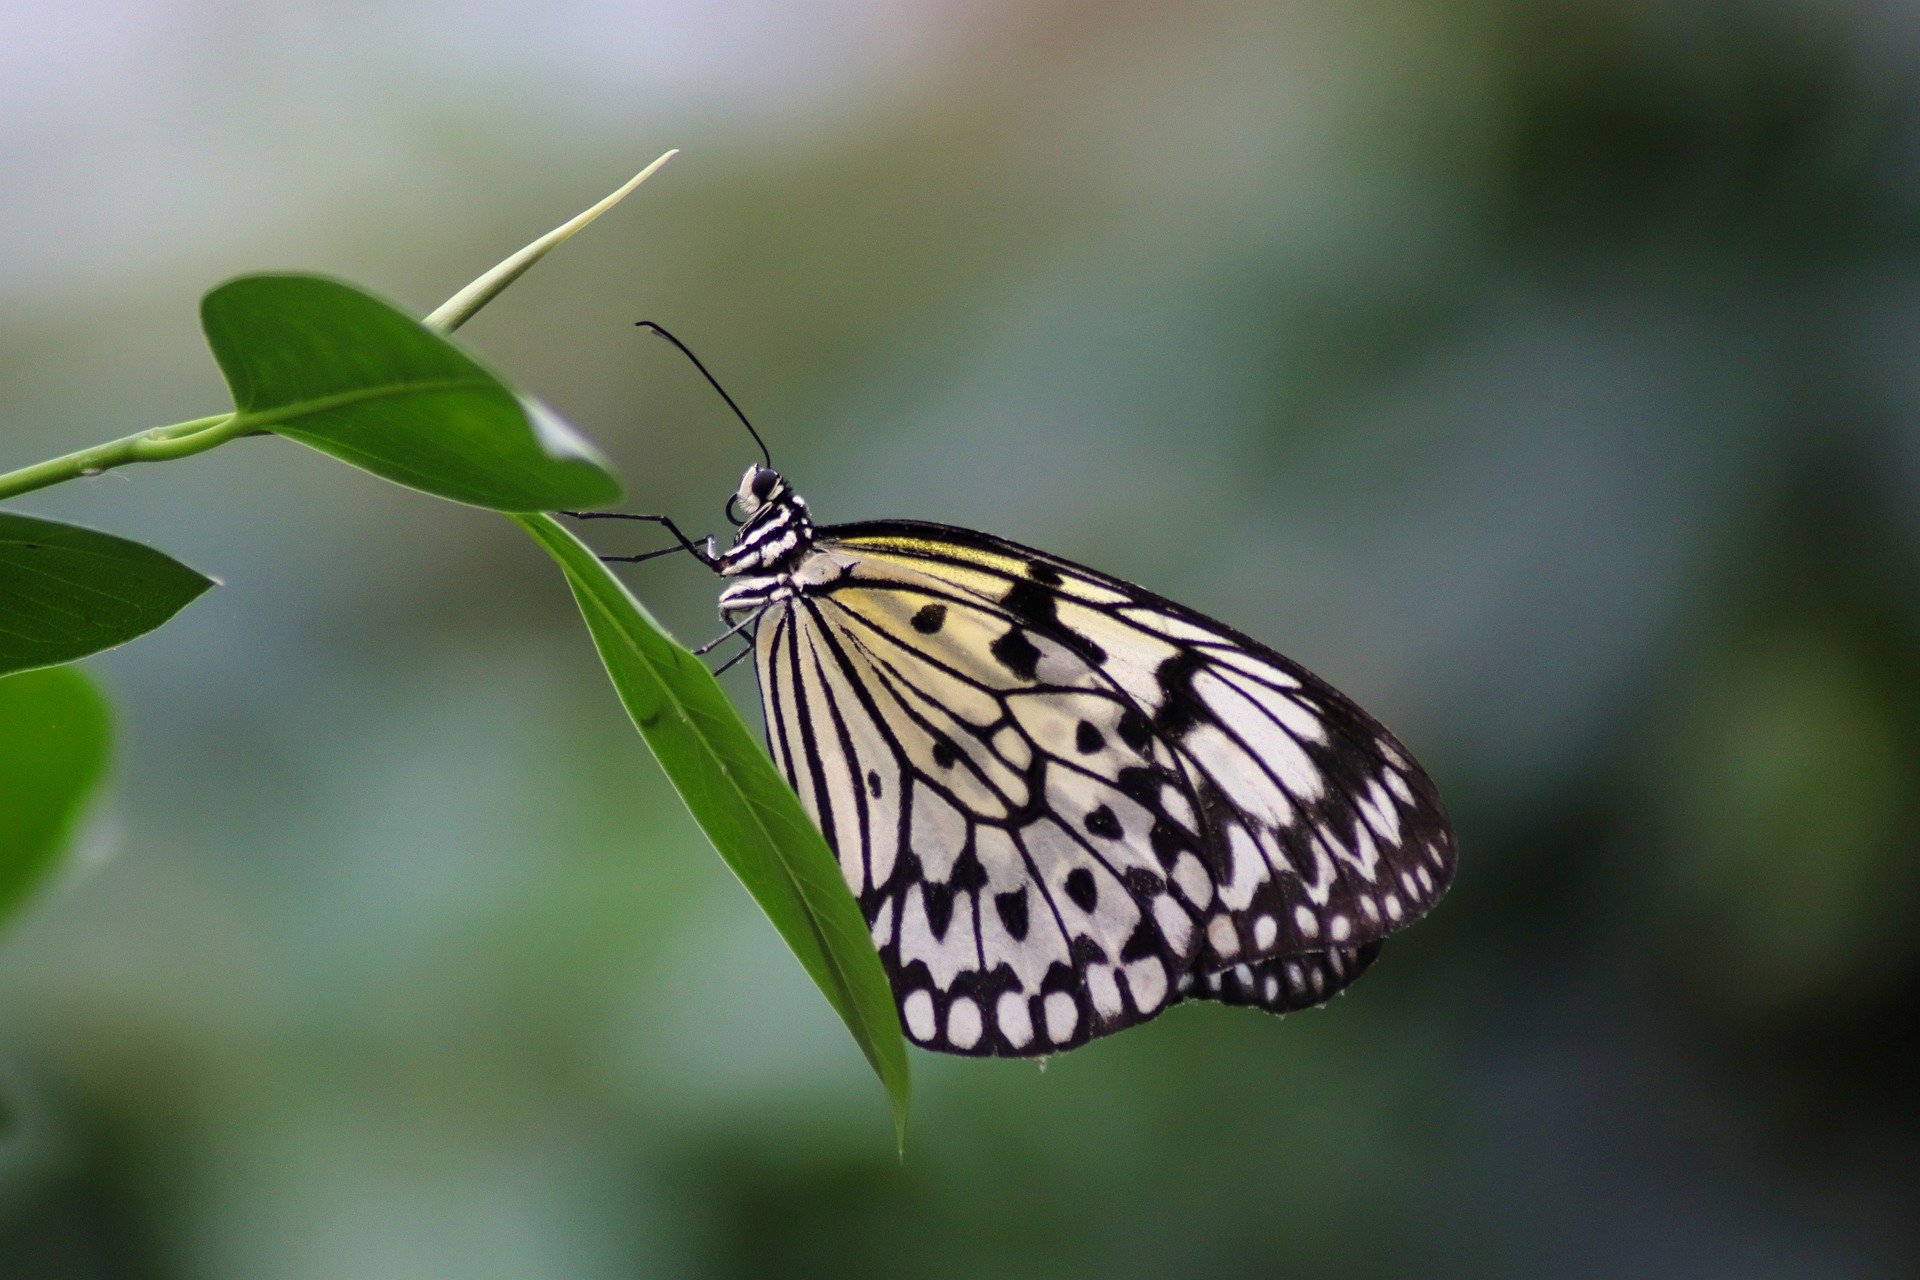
x=740, y=801
x=1786, y=785
x=66, y=592
x=54, y=740
x=320, y=362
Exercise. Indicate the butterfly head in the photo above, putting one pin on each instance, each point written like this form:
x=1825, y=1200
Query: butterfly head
x=760, y=488
x=775, y=529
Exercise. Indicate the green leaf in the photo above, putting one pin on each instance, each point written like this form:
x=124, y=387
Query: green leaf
x=54, y=740
x=66, y=592
x=740, y=801
x=320, y=362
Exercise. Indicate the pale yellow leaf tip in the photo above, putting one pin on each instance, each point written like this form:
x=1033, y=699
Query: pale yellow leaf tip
x=464, y=305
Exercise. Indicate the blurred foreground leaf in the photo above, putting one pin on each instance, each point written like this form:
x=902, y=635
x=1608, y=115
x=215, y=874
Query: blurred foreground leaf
x=54, y=739
x=320, y=362
x=66, y=592
x=740, y=801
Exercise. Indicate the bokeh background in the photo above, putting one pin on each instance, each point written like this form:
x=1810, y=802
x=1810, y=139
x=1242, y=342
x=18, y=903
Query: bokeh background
x=1547, y=374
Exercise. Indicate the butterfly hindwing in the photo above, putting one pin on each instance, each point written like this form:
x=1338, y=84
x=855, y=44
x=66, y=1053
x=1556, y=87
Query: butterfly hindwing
x=1284, y=984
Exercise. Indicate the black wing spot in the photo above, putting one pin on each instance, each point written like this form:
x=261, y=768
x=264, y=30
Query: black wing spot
x=930, y=618
x=1169, y=840
x=1059, y=977
x=1088, y=739
x=939, y=903
x=1139, y=783
x=1043, y=573
x=1182, y=709
x=1144, y=942
x=1013, y=913
x=1081, y=888
x=1103, y=823
x=968, y=874
x=1142, y=883
x=1017, y=653
x=873, y=783
x=1134, y=729
x=1086, y=951
x=1085, y=647
x=944, y=753
x=1030, y=603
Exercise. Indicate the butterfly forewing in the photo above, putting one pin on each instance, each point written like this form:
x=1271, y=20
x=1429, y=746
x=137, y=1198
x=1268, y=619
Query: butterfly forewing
x=1065, y=803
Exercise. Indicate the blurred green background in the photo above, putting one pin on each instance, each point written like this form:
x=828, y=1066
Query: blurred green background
x=1545, y=374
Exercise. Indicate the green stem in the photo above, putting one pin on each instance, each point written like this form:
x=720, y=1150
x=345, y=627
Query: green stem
x=184, y=439
x=158, y=444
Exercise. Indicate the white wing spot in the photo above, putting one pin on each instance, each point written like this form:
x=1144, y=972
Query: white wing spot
x=1104, y=987
x=1298, y=718
x=1176, y=926
x=1308, y=922
x=1365, y=850
x=1247, y=662
x=1222, y=935
x=1147, y=980
x=1063, y=1016
x=938, y=834
x=1371, y=908
x=1296, y=978
x=1384, y=813
x=1273, y=987
x=1247, y=784
x=1193, y=880
x=918, y=1008
x=1178, y=807
x=963, y=1023
x=1266, y=930
x=1393, y=906
x=1016, y=1023
x=1245, y=869
x=1012, y=746
x=1340, y=929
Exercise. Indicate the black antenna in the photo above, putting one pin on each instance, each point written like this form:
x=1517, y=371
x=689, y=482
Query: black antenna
x=713, y=382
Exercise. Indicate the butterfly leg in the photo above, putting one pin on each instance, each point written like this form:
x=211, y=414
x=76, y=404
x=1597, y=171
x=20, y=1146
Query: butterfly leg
x=728, y=634
x=701, y=550
x=723, y=668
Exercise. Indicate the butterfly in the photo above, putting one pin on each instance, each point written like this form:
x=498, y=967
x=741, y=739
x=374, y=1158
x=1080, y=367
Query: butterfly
x=1064, y=803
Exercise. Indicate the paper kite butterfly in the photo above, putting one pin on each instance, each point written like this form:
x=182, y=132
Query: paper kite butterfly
x=1063, y=803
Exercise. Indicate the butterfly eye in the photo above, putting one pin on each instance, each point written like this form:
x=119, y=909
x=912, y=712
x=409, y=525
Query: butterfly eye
x=763, y=482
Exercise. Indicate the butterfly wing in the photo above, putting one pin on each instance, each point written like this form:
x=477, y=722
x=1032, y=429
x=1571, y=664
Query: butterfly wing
x=1169, y=799
x=1284, y=984
x=1030, y=865
x=1323, y=829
